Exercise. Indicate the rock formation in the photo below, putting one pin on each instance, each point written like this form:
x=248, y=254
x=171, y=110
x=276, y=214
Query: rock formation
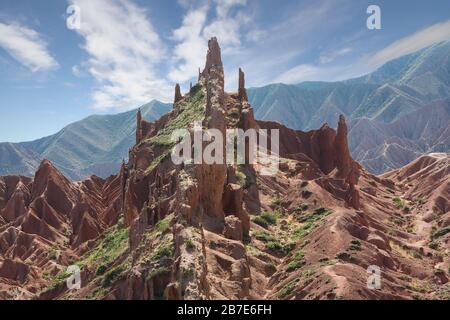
x=138, y=127
x=160, y=230
x=242, y=92
x=178, y=95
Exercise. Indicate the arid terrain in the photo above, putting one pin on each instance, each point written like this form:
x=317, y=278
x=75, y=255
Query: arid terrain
x=157, y=230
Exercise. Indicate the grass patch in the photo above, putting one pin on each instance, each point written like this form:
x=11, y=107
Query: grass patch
x=440, y=233
x=260, y=221
x=163, y=156
x=400, y=204
x=165, y=250
x=157, y=272
x=263, y=236
x=190, y=271
x=276, y=202
x=189, y=112
x=112, y=246
x=316, y=215
x=266, y=219
x=288, y=288
x=113, y=275
x=163, y=225
x=303, y=231
x=283, y=248
x=189, y=244
x=298, y=261
x=242, y=180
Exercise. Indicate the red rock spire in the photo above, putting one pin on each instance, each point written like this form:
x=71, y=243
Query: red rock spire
x=138, y=126
x=178, y=95
x=213, y=57
x=343, y=157
x=242, y=91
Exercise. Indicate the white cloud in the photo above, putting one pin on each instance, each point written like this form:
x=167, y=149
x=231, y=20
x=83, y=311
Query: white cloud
x=419, y=40
x=191, y=47
x=76, y=71
x=302, y=72
x=195, y=30
x=331, y=56
x=124, y=52
x=27, y=47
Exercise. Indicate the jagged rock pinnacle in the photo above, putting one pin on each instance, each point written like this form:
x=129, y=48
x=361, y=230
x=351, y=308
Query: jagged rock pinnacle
x=178, y=95
x=344, y=161
x=214, y=56
x=242, y=91
x=138, y=126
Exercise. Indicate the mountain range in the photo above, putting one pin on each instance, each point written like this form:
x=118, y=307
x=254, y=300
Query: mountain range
x=395, y=114
x=398, y=112
x=95, y=145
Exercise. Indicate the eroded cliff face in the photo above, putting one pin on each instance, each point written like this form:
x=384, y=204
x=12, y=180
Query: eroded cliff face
x=215, y=231
x=46, y=222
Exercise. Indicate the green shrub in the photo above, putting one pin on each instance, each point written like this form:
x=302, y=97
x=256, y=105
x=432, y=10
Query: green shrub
x=163, y=251
x=276, y=202
x=317, y=214
x=188, y=271
x=162, y=225
x=189, y=244
x=288, y=288
x=157, y=272
x=434, y=245
x=270, y=217
x=101, y=269
x=304, y=184
x=301, y=207
x=260, y=221
x=440, y=233
x=274, y=245
x=355, y=245
x=113, y=275
x=298, y=261
x=306, y=194
x=266, y=219
x=263, y=236
x=213, y=245
x=303, y=231
x=277, y=246
x=399, y=203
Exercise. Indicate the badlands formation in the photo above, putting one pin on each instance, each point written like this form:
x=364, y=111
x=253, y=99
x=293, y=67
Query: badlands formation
x=162, y=231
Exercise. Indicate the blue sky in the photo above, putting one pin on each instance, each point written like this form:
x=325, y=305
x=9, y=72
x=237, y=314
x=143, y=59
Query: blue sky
x=128, y=52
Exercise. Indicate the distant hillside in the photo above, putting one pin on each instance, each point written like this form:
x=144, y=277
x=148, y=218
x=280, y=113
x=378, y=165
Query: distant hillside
x=95, y=145
x=395, y=114
x=402, y=87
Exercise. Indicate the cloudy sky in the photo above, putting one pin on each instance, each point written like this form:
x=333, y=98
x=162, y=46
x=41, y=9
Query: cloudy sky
x=128, y=52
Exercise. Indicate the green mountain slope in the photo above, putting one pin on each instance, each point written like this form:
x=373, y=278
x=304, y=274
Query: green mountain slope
x=397, y=88
x=95, y=145
x=400, y=89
